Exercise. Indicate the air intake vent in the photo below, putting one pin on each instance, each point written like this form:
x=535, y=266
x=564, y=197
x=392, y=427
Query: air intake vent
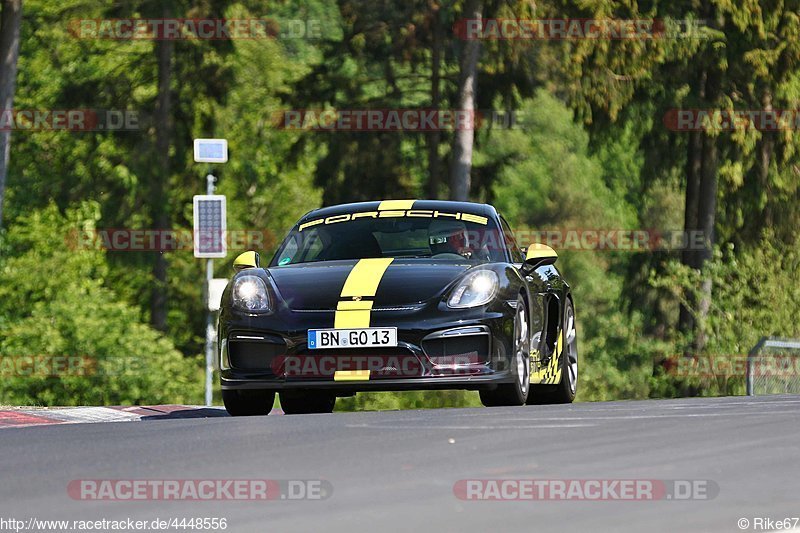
x=457, y=349
x=252, y=353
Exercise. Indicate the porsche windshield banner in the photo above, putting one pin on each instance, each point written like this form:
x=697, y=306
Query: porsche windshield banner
x=395, y=213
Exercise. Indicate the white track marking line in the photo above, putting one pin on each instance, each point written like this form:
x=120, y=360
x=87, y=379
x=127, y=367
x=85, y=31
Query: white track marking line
x=653, y=416
x=437, y=426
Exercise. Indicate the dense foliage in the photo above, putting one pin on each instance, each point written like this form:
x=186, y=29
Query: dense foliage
x=589, y=149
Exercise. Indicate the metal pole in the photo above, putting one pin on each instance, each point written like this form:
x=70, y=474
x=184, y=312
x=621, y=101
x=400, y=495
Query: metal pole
x=209, y=314
x=751, y=364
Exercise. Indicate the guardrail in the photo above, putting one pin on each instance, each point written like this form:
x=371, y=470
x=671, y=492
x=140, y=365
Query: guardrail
x=777, y=373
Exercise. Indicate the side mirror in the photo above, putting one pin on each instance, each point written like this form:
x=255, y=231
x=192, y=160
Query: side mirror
x=538, y=255
x=247, y=260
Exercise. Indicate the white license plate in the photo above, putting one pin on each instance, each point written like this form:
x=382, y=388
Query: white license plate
x=319, y=339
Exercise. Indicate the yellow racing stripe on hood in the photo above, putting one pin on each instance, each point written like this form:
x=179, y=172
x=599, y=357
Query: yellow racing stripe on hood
x=362, y=282
x=352, y=315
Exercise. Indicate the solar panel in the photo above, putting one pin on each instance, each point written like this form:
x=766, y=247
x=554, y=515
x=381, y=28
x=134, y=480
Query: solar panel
x=209, y=226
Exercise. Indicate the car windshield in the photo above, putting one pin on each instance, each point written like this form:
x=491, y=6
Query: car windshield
x=442, y=239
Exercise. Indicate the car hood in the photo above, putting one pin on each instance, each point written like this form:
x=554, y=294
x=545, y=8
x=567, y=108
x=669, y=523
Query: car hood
x=318, y=286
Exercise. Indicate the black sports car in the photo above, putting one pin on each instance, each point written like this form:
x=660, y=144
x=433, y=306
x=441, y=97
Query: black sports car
x=397, y=295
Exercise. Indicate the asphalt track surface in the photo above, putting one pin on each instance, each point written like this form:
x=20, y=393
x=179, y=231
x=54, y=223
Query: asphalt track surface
x=396, y=471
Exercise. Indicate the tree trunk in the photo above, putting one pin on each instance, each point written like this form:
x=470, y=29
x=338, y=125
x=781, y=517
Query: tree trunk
x=465, y=135
x=435, y=136
x=694, y=161
x=706, y=218
x=159, y=199
x=10, y=21
x=694, y=177
x=707, y=212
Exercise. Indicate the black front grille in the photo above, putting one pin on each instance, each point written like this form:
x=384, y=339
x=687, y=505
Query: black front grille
x=400, y=352
x=381, y=362
x=255, y=354
x=457, y=349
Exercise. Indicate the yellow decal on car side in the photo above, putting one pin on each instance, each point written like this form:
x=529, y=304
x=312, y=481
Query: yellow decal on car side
x=551, y=374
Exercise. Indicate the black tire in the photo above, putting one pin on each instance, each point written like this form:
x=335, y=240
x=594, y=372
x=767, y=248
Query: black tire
x=515, y=393
x=248, y=402
x=307, y=402
x=565, y=390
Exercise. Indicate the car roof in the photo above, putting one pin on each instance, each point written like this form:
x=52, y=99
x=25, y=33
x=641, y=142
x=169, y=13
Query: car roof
x=443, y=205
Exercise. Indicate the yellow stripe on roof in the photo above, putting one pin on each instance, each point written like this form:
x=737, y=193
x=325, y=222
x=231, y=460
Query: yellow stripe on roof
x=395, y=204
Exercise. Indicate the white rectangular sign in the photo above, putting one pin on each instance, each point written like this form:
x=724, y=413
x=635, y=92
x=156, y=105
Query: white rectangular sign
x=216, y=287
x=210, y=150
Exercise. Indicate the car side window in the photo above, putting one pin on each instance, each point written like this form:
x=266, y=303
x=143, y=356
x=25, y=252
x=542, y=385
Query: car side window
x=312, y=247
x=516, y=254
x=299, y=248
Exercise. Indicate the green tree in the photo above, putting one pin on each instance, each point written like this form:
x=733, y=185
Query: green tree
x=54, y=303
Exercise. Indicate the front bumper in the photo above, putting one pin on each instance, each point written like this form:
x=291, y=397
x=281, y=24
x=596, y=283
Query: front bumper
x=437, y=349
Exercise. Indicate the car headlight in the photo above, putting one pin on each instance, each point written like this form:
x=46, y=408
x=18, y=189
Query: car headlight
x=250, y=294
x=475, y=289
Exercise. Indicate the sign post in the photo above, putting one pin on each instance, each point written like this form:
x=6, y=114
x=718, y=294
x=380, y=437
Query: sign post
x=210, y=225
